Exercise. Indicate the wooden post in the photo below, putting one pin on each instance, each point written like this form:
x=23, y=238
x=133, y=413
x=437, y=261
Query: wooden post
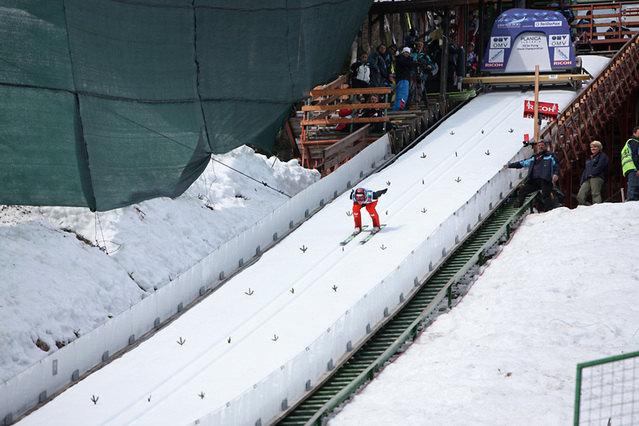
x=536, y=113
x=370, y=33
x=443, y=69
x=479, y=45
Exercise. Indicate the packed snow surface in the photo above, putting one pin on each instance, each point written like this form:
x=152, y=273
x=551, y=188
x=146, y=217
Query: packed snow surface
x=562, y=292
x=227, y=330
x=65, y=271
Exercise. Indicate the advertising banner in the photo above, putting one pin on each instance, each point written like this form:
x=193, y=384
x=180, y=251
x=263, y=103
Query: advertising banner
x=523, y=38
x=545, y=110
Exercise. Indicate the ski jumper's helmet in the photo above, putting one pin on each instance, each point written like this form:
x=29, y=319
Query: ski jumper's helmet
x=360, y=195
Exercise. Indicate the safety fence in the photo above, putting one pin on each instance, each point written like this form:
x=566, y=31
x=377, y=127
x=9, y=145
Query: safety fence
x=604, y=23
x=607, y=391
x=323, y=146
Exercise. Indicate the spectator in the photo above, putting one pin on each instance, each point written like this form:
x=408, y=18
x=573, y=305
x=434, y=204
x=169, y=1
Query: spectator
x=419, y=50
x=616, y=30
x=425, y=62
x=368, y=199
x=389, y=58
x=593, y=176
x=472, y=61
x=411, y=39
x=629, y=161
x=377, y=63
x=584, y=33
x=564, y=10
x=344, y=113
x=569, y=15
x=543, y=173
x=473, y=27
x=404, y=64
x=361, y=72
x=419, y=76
x=455, y=62
x=376, y=127
x=612, y=29
x=391, y=55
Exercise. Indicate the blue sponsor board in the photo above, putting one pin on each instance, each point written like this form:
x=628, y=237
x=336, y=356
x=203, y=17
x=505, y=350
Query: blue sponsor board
x=523, y=38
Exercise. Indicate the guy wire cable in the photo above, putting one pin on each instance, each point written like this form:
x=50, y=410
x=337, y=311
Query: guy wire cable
x=186, y=146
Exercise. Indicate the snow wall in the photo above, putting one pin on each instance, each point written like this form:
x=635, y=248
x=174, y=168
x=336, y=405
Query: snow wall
x=54, y=373
x=264, y=400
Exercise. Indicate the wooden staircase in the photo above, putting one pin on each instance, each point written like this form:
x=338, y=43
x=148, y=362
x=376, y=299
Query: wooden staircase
x=318, y=145
x=604, y=101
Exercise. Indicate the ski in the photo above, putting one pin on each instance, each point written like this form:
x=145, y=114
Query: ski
x=372, y=234
x=352, y=236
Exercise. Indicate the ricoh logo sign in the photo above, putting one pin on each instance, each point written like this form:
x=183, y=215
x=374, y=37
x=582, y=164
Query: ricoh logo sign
x=546, y=110
x=559, y=40
x=502, y=42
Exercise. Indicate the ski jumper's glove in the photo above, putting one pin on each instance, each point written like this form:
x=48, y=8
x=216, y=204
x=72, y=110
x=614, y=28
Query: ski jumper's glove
x=379, y=193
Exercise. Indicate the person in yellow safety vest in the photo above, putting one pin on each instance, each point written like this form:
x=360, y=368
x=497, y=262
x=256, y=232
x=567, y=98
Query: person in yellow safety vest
x=629, y=162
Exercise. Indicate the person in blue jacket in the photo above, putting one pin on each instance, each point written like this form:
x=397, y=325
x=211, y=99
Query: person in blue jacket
x=566, y=12
x=593, y=176
x=542, y=174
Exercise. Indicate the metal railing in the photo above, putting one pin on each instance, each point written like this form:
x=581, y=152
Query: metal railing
x=587, y=115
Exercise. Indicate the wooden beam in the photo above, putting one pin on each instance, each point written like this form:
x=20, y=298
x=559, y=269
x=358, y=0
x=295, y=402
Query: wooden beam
x=335, y=107
x=320, y=143
x=525, y=78
x=327, y=121
x=536, y=111
x=346, y=142
x=328, y=100
x=418, y=6
x=342, y=79
x=348, y=92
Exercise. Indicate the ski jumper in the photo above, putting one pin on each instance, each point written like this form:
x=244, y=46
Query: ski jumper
x=369, y=201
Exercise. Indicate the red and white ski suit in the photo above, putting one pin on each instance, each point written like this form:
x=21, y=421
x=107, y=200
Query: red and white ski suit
x=369, y=203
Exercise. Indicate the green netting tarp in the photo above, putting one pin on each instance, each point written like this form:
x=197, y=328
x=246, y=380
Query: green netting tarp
x=105, y=103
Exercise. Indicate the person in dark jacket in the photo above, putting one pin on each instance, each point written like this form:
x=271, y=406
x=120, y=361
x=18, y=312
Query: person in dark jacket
x=411, y=39
x=543, y=173
x=368, y=199
x=377, y=62
x=593, y=176
x=403, y=65
x=377, y=127
x=569, y=15
x=566, y=12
